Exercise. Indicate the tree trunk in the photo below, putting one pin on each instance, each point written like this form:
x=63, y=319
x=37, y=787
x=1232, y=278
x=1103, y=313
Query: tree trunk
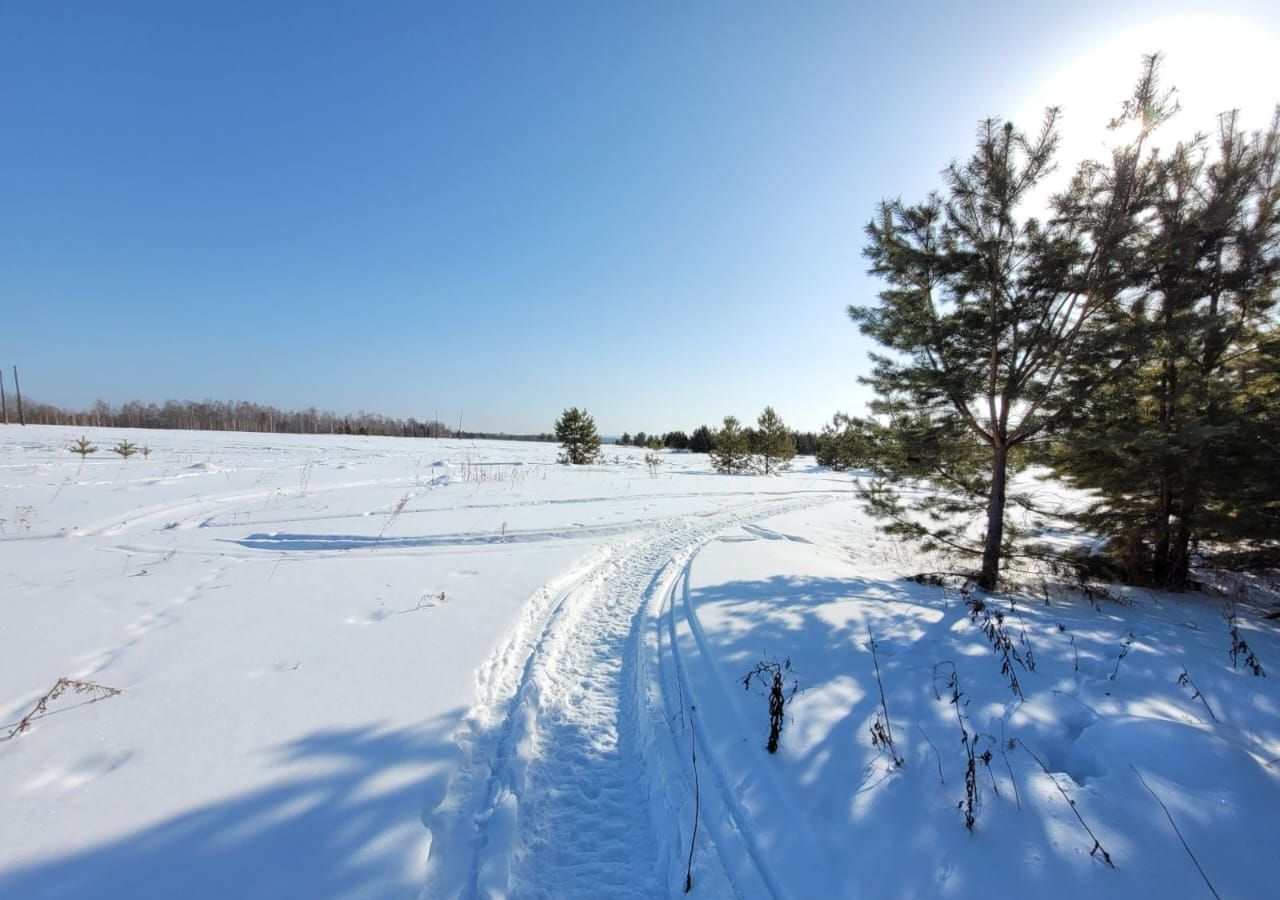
x=1163, y=531
x=1178, y=574
x=990, y=576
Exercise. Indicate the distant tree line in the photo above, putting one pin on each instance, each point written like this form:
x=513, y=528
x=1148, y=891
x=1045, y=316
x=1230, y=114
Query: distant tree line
x=542, y=437
x=702, y=440
x=216, y=415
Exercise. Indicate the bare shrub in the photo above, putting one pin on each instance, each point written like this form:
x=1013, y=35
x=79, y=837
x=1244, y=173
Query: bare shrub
x=782, y=686
x=1239, y=646
x=881, y=730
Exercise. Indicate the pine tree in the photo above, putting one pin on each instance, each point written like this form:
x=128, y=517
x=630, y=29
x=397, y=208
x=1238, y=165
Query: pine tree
x=576, y=432
x=625, y=439
x=987, y=312
x=729, y=452
x=1181, y=448
x=845, y=443
x=807, y=442
x=775, y=447
x=83, y=447
x=702, y=440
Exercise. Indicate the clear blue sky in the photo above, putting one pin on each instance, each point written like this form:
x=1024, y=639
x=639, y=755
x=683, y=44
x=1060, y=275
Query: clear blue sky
x=653, y=210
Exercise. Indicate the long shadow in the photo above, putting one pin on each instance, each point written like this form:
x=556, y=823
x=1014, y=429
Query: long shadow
x=291, y=542
x=906, y=815
x=783, y=610
x=339, y=830
x=792, y=616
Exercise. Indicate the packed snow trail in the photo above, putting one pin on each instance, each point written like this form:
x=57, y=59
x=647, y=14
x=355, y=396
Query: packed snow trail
x=556, y=798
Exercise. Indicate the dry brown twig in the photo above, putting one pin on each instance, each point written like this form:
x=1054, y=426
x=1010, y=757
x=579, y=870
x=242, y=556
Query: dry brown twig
x=396, y=510
x=96, y=692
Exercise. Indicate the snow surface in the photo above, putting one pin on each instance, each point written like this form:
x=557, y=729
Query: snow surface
x=373, y=667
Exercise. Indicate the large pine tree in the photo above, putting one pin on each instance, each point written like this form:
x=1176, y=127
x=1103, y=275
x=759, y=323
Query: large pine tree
x=1181, y=447
x=988, y=311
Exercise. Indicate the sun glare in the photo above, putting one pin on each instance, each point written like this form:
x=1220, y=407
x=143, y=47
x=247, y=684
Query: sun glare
x=1216, y=63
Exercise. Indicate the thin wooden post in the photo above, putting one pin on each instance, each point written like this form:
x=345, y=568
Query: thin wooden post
x=4, y=407
x=18, y=390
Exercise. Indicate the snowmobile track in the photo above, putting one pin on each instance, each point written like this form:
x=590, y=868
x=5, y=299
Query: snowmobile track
x=562, y=791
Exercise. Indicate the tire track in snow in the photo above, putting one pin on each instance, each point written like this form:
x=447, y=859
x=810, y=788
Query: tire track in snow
x=677, y=646
x=555, y=797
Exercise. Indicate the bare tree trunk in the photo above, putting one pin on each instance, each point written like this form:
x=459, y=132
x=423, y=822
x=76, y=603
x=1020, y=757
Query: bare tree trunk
x=990, y=576
x=1177, y=576
x=1163, y=533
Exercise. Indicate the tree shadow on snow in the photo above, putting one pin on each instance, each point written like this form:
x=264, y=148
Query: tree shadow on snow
x=337, y=825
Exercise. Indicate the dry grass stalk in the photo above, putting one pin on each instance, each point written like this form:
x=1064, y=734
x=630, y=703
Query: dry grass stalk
x=96, y=692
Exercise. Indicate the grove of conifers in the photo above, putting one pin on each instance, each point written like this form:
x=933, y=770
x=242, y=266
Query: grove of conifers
x=1119, y=330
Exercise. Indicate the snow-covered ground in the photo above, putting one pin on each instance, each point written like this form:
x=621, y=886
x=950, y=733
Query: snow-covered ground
x=371, y=667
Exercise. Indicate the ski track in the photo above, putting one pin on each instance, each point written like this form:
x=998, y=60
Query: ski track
x=569, y=759
x=736, y=838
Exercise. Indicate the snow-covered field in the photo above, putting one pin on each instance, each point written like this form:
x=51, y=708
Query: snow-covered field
x=371, y=667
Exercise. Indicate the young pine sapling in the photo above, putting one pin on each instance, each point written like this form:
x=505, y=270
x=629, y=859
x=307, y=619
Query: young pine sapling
x=83, y=447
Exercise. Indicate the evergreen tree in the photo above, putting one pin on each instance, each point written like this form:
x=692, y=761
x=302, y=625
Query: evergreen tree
x=640, y=440
x=702, y=440
x=625, y=439
x=986, y=309
x=576, y=432
x=845, y=443
x=1181, y=447
x=675, y=440
x=729, y=452
x=807, y=442
x=775, y=446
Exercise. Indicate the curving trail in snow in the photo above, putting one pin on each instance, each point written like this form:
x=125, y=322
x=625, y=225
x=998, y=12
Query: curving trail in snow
x=573, y=782
x=318, y=638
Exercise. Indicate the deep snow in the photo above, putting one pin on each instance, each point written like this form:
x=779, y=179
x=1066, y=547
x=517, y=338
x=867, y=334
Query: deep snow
x=371, y=667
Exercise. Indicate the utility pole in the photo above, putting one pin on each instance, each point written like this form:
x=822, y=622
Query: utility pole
x=18, y=390
x=4, y=407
